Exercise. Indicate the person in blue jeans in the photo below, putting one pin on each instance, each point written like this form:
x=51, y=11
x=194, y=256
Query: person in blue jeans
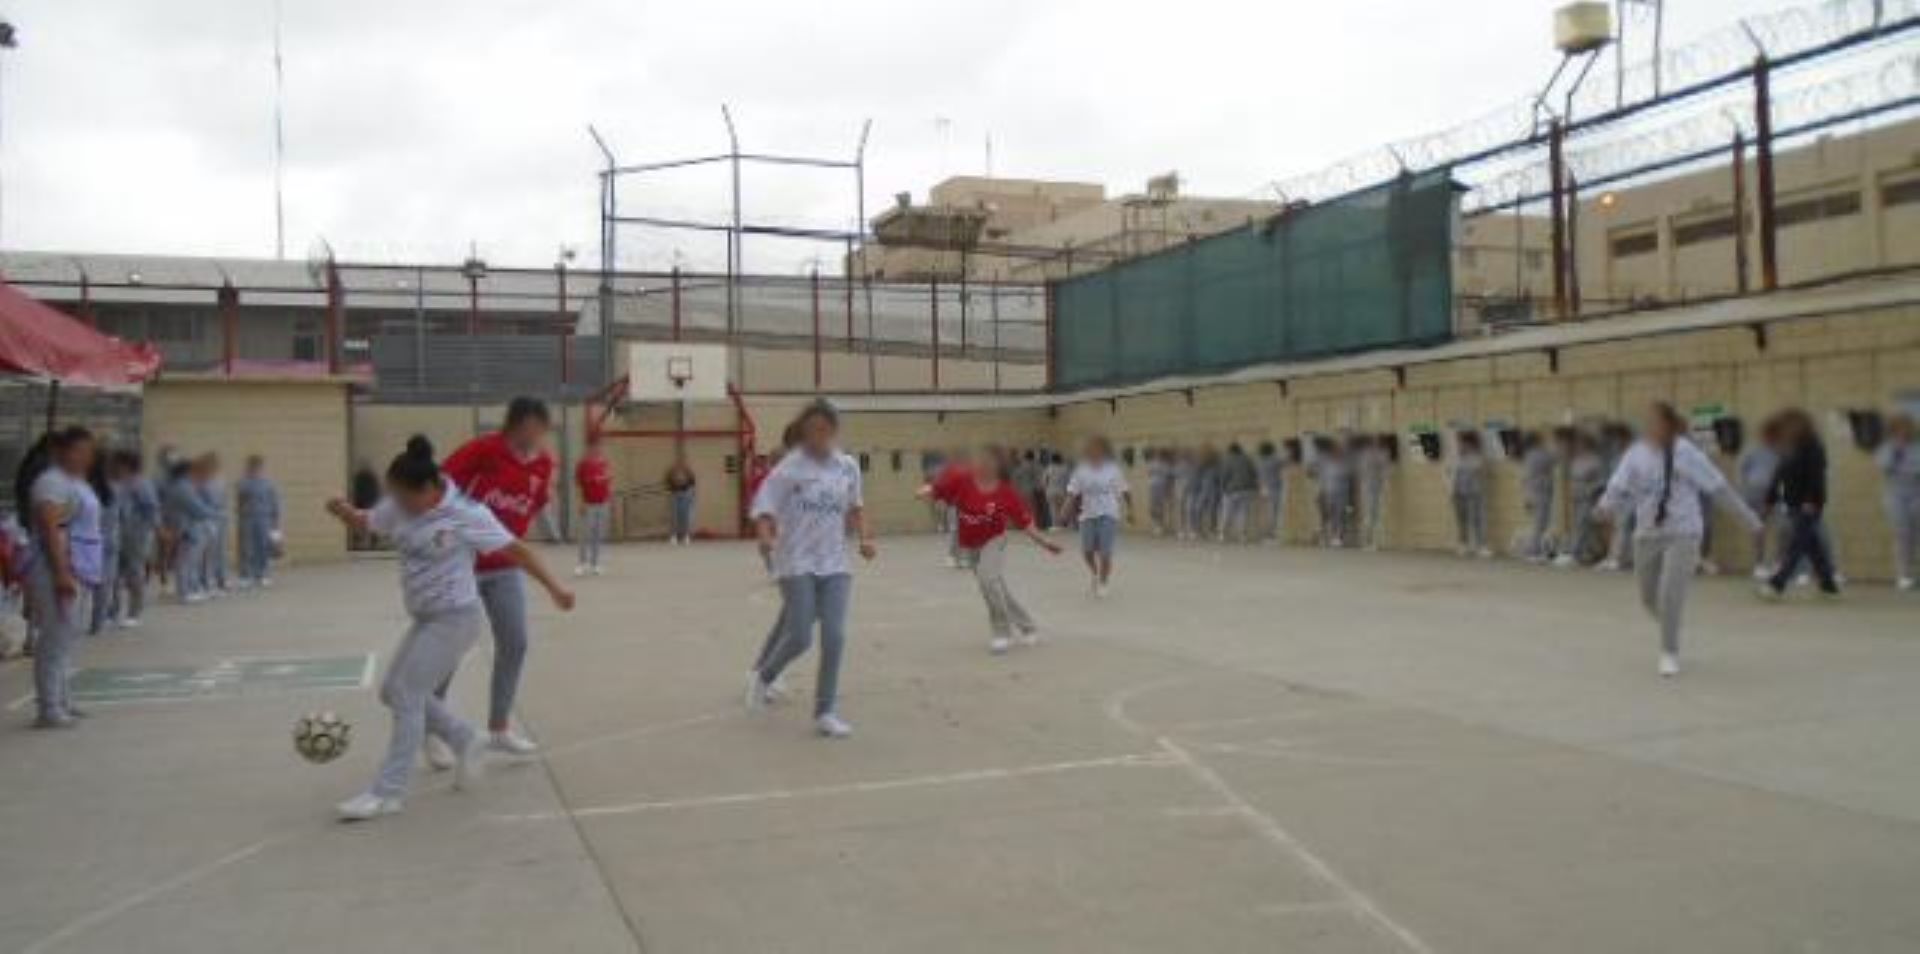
x=802, y=517
x=258, y=502
x=682, y=494
x=1800, y=484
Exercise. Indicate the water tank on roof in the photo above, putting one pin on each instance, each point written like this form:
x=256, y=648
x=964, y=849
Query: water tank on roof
x=1582, y=27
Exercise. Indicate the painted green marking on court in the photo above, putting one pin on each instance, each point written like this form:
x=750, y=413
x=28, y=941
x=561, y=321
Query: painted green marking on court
x=223, y=678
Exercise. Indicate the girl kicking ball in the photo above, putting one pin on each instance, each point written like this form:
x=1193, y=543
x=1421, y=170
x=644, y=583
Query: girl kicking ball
x=438, y=533
x=986, y=502
x=802, y=515
x=1097, y=493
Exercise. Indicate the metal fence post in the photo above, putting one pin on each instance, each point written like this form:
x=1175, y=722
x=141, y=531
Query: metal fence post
x=1556, y=171
x=229, y=298
x=1740, y=211
x=1763, y=153
x=814, y=283
x=675, y=302
x=934, y=299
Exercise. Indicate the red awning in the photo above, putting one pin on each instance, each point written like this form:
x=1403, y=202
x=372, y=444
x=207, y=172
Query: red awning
x=44, y=342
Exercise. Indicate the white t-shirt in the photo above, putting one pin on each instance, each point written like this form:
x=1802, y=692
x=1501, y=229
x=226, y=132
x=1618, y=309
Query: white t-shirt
x=1639, y=481
x=437, y=549
x=1099, y=487
x=809, y=500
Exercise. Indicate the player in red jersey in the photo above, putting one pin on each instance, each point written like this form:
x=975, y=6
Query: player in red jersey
x=510, y=473
x=593, y=477
x=985, y=503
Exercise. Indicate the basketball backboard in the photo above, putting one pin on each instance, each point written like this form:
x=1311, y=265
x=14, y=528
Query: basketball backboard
x=676, y=371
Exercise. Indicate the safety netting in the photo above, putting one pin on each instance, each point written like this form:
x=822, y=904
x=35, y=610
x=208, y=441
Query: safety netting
x=1368, y=270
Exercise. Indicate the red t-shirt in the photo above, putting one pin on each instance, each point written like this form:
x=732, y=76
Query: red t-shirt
x=594, y=477
x=984, y=514
x=515, y=488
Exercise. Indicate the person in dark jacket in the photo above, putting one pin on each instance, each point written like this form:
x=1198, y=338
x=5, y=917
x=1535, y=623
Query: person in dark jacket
x=1800, y=485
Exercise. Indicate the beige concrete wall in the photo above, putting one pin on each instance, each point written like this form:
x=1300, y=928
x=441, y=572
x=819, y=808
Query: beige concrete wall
x=1827, y=365
x=299, y=426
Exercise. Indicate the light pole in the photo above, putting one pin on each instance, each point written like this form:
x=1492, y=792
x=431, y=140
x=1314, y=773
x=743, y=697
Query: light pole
x=9, y=40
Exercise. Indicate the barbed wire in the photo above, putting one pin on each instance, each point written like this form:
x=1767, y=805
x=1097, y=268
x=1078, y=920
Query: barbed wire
x=1780, y=34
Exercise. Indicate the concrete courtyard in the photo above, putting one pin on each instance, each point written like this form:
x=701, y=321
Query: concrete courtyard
x=1242, y=750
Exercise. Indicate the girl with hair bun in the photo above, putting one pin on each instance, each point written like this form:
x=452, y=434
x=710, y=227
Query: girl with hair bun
x=439, y=534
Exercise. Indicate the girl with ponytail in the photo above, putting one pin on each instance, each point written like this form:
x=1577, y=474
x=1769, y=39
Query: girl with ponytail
x=1660, y=482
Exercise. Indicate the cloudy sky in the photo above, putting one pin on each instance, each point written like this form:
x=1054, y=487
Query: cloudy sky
x=417, y=126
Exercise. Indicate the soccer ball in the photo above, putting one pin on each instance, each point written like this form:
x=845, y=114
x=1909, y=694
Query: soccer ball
x=321, y=737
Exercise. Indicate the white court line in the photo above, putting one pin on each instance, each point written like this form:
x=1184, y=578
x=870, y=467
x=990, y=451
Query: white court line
x=1264, y=824
x=638, y=732
x=1273, y=832
x=92, y=919
x=1135, y=760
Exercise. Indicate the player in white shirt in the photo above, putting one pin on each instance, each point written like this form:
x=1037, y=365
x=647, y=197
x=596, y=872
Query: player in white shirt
x=1097, y=494
x=1660, y=483
x=438, y=532
x=802, y=516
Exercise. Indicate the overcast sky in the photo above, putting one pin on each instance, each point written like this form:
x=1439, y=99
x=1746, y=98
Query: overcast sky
x=416, y=126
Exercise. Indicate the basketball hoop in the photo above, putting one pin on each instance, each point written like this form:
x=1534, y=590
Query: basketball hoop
x=680, y=371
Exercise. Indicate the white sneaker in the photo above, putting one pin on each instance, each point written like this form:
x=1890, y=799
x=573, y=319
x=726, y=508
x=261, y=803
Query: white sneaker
x=1766, y=592
x=192, y=598
x=951, y=563
x=831, y=726
x=1100, y=590
x=1709, y=568
x=597, y=571
x=439, y=755
x=1484, y=553
x=471, y=763
x=756, y=692
x=1905, y=583
x=367, y=806
x=266, y=582
x=1608, y=566
x=1030, y=637
x=511, y=743
x=1762, y=571
x=1565, y=561
x=999, y=645
x=131, y=622
x=777, y=689
x=1669, y=665
x=580, y=570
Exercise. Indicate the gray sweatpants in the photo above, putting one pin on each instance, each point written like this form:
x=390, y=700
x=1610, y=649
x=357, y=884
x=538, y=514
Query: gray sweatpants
x=57, y=626
x=1236, y=514
x=189, y=563
x=130, y=578
x=1373, y=498
x=1273, y=512
x=805, y=600
x=1664, y=565
x=504, y=595
x=428, y=656
x=256, y=548
x=1470, y=519
x=1004, y=612
x=593, y=532
x=1904, y=517
x=1540, y=509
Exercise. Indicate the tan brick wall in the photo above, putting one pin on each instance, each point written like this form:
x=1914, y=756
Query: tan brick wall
x=1825, y=364
x=299, y=426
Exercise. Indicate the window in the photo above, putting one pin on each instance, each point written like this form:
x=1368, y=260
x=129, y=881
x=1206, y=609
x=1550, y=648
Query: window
x=1830, y=206
x=1636, y=243
x=1705, y=230
x=171, y=326
x=1900, y=193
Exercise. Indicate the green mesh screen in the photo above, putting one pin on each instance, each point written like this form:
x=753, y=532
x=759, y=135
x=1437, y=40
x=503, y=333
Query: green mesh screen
x=1368, y=270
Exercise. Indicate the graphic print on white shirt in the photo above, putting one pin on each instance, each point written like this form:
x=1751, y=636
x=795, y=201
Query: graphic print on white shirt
x=1099, y=487
x=437, y=549
x=809, y=500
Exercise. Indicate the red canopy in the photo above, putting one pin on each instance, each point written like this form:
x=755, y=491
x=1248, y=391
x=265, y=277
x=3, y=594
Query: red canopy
x=44, y=342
